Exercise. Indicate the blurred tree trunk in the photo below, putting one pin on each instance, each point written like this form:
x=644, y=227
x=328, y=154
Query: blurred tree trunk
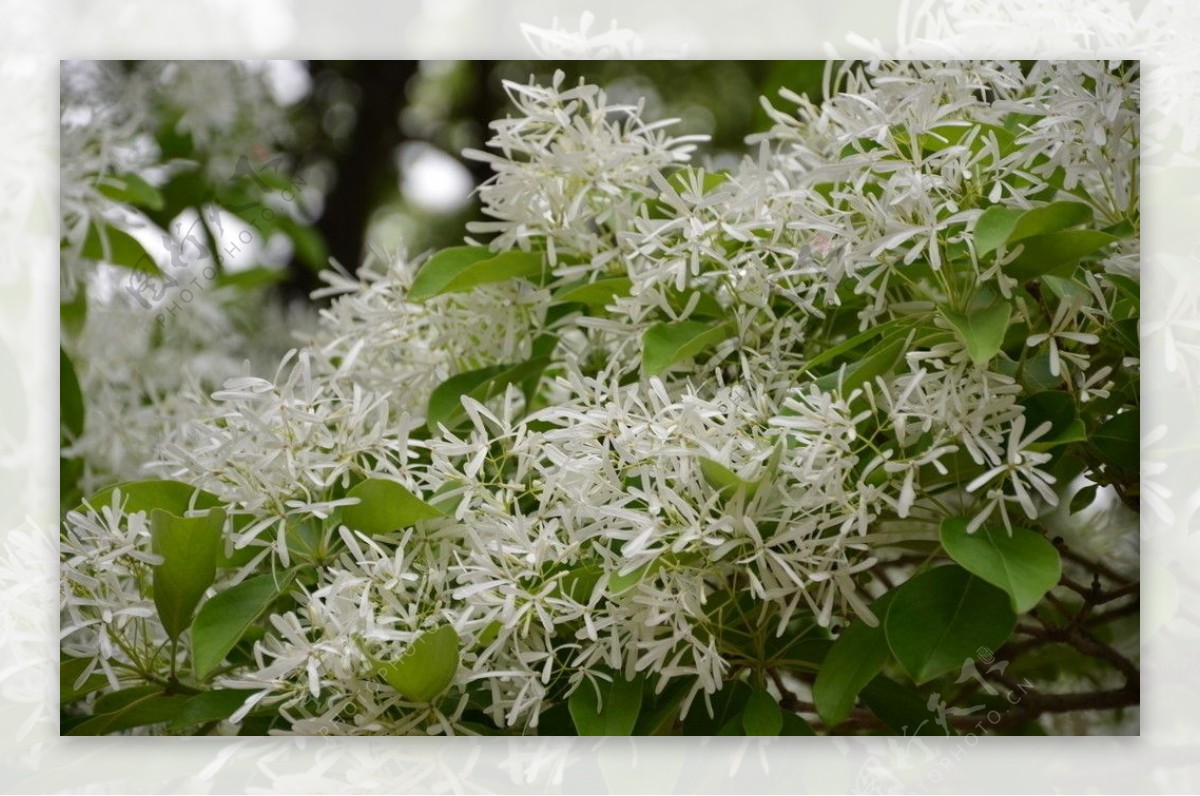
x=364, y=166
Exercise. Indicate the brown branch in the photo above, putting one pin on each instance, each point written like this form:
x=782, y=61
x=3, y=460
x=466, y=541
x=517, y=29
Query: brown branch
x=1087, y=563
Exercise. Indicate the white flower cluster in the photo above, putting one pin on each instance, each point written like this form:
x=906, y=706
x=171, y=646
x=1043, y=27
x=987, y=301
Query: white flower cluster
x=147, y=344
x=598, y=519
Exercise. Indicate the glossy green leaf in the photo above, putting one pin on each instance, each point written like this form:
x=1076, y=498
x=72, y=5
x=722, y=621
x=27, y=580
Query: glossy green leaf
x=131, y=189
x=209, y=706
x=795, y=725
x=1055, y=253
x=1024, y=563
x=599, y=707
x=596, y=295
x=619, y=583
x=70, y=670
x=384, y=506
x=847, y=346
x=1083, y=498
x=138, y=708
x=1049, y=219
x=762, y=714
x=1119, y=440
x=501, y=268
x=981, y=330
x=427, y=667
x=666, y=344
x=223, y=620
x=1064, y=287
x=724, y=480
x=1126, y=287
x=174, y=497
x=900, y=707
x=1054, y=406
x=726, y=706
x=704, y=304
x=579, y=582
x=189, y=547
x=445, y=402
x=658, y=713
x=73, y=312
x=251, y=278
x=877, y=362
x=111, y=245
x=442, y=267
x=993, y=227
x=70, y=398
x=462, y=268
x=307, y=240
x=858, y=654
x=942, y=617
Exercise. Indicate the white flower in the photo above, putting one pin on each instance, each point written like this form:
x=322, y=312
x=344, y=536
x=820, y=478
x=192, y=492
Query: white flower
x=1020, y=471
x=1063, y=327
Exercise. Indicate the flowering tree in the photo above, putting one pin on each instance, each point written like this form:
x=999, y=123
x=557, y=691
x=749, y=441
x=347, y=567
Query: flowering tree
x=841, y=439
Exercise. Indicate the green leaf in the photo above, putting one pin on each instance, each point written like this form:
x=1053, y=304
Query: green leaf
x=580, y=581
x=132, y=189
x=901, y=708
x=682, y=180
x=619, y=584
x=137, y=708
x=72, y=313
x=442, y=267
x=70, y=398
x=706, y=305
x=1127, y=287
x=858, y=654
x=224, y=619
x=427, y=667
x=942, y=617
x=845, y=347
x=1083, y=498
x=993, y=227
x=1024, y=563
x=252, y=278
x=174, y=497
x=1057, y=407
x=795, y=725
x=501, y=268
x=877, y=362
x=461, y=268
x=1119, y=440
x=726, y=704
x=1125, y=332
x=762, y=715
x=725, y=481
x=663, y=708
x=665, y=344
x=982, y=330
x=69, y=672
x=596, y=295
x=1056, y=253
x=1048, y=219
x=210, y=706
x=599, y=707
x=445, y=402
x=1066, y=288
x=310, y=245
x=189, y=549
x=111, y=245
x=385, y=506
